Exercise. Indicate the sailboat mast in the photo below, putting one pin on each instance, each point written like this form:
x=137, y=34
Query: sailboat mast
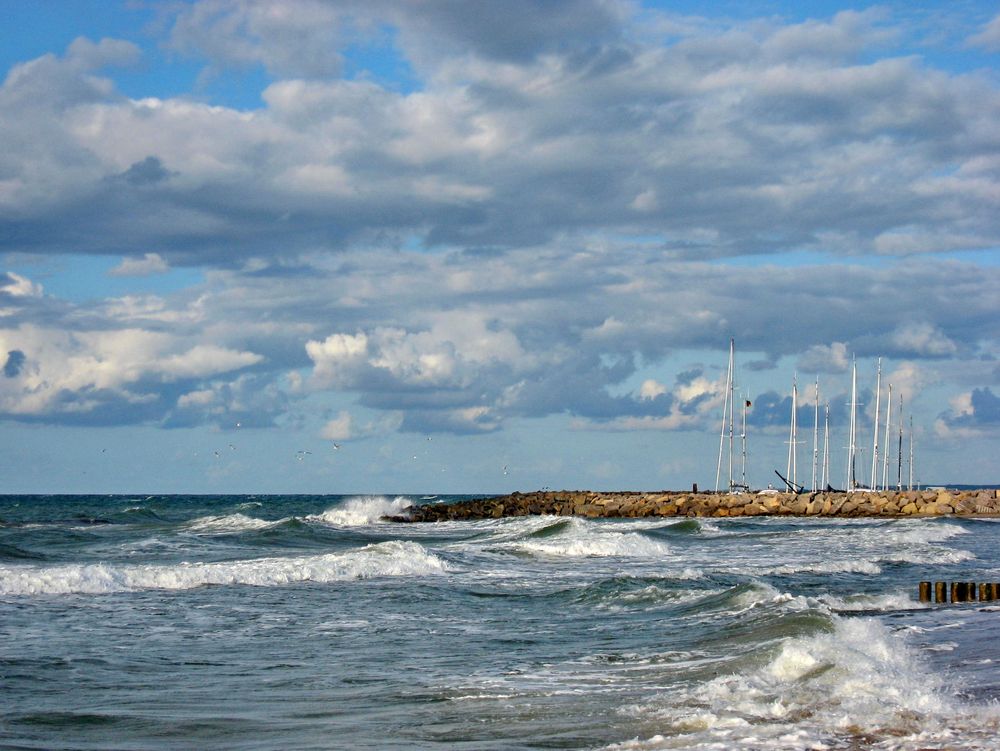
x=743, y=447
x=815, y=437
x=852, y=435
x=826, y=447
x=726, y=420
x=878, y=393
x=910, y=484
x=731, y=410
x=885, y=441
x=899, y=448
x=791, y=470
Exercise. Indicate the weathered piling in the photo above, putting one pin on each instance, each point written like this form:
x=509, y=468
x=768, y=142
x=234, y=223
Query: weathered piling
x=959, y=591
x=925, y=591
x=939, y=592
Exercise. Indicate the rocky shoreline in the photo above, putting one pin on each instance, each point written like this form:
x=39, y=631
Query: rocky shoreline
x=631, y=505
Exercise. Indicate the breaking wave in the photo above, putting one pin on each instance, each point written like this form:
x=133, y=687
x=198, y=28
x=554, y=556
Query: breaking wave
x=577, y=538
x=392, y=558
x=859, y=684
x=361, y=511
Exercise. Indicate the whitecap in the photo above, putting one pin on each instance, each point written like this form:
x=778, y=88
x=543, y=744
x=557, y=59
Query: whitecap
x=393, y=558
x=858, y=566
x=362, y=510
x=226, y=524
x=861, y=680
x=581, y=539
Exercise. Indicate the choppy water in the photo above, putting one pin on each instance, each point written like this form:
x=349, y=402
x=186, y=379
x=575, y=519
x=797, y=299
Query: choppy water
x=303, y=622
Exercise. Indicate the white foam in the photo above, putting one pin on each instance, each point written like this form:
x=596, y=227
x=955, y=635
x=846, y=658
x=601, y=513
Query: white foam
x=861, y=680
x=928, y=555
x=920, y=531
x=859, y=566
x=226, y=524
x=392, y=558
x=361, y=511
x=581, y=539
x=868, y=603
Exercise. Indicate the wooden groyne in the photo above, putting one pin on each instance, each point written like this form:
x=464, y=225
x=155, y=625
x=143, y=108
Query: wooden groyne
x=632, y=505
x=959, y=591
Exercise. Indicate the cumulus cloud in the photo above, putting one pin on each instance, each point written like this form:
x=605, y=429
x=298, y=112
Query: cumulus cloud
x=530, y=229
x=971, y=414
x=57, y=372
x=922, y=339
x=825, y=358
x=533, y=121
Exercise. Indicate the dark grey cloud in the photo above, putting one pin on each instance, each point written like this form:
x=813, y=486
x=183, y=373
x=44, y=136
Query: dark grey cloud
x=984, y=411
x=147, y=172
x=15, y=361
x=515, y=31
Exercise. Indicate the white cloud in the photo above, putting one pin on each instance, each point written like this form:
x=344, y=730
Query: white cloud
x=565, y=182
x=16, y=285
x=750, y=139
x=823, y=358
x=205, y=360
x=449, y=353
x=77, y=371
x=650, y=389
x=337, y=357
x=908, y=380
x=340, y=428
x=149, y=264
x=923, y=339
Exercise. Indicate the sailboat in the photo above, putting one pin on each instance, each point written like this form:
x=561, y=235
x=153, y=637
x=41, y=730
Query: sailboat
x=728, y=419
x=790, y=478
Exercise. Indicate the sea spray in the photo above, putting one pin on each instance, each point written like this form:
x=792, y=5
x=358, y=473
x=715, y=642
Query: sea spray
x=362, y=510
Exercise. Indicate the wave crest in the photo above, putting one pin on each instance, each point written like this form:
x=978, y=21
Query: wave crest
x=226, y=524
x=859, y=680
x=361, y=511
x=392, y=558
x=577, y=538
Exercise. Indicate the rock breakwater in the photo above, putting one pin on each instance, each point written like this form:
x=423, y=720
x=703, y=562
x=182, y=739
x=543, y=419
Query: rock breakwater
x=669, y=503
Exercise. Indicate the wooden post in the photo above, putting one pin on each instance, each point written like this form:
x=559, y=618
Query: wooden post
x=984, y=594
x=925, y=591
x=940, y=595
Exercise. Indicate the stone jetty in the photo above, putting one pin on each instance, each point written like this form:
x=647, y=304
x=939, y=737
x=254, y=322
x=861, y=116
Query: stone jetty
x=631, y=505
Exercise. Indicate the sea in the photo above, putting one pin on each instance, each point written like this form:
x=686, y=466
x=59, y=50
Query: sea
x=309, y=622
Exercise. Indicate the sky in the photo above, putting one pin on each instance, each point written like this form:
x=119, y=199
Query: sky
x=459, y=246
